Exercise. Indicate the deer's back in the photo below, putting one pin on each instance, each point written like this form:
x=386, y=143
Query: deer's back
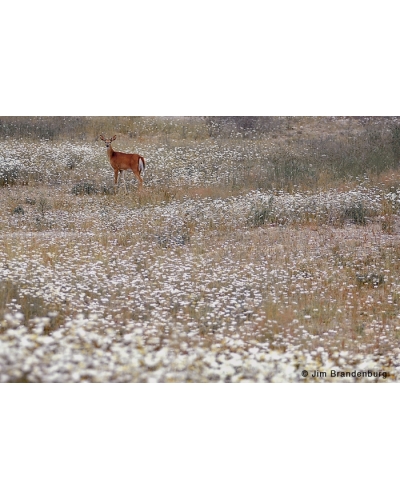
x=124, y=160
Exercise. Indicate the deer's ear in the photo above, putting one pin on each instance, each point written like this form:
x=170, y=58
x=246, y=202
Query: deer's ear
x=114, y=137
x=102, y=138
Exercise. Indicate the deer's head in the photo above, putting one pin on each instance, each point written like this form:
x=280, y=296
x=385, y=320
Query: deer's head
x=108, y=141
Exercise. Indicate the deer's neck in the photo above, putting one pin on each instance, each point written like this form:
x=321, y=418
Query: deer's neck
x=110, y=152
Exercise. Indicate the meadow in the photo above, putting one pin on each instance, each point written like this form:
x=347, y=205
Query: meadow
x=258, y=249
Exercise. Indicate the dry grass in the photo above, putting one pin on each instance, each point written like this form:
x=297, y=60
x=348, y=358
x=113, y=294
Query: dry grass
x=216, y=271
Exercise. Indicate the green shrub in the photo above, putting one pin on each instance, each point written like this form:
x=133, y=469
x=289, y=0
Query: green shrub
x=84, y=187
x=18, y=211
x=356, y=213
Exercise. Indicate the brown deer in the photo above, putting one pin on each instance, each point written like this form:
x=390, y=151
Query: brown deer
x=124, y=161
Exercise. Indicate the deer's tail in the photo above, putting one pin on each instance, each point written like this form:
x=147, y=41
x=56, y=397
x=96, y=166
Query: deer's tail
x=142, y=165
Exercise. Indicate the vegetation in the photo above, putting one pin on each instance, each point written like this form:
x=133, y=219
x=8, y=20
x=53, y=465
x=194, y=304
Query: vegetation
x=259, y=247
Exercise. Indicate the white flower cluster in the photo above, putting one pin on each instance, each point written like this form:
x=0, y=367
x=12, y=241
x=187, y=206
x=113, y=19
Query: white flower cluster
x=199, y=288
x=85, y=350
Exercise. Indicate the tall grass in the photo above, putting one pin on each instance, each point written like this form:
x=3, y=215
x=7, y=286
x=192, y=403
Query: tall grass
x=284, y=153
x=250, y=235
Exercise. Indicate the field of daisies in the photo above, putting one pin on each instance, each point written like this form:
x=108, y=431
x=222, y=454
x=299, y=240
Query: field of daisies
x=219, y=270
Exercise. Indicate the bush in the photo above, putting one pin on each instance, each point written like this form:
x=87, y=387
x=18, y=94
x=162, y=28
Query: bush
x=395, y=141
x=370, y=279
x=84, y=187
x=18, y=211
x=356, y=213
x=74, y=160
x=248, y=126
x=106, y=189
x=42, y=127
x=174, y=236
x=43, y=205
x=9, y=175
x=261, y=214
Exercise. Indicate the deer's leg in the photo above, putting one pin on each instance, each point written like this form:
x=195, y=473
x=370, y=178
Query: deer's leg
x=139, y=178
x=115, y=180
x=122, y=172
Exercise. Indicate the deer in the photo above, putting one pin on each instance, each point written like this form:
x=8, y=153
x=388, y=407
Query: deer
x=121, y=162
